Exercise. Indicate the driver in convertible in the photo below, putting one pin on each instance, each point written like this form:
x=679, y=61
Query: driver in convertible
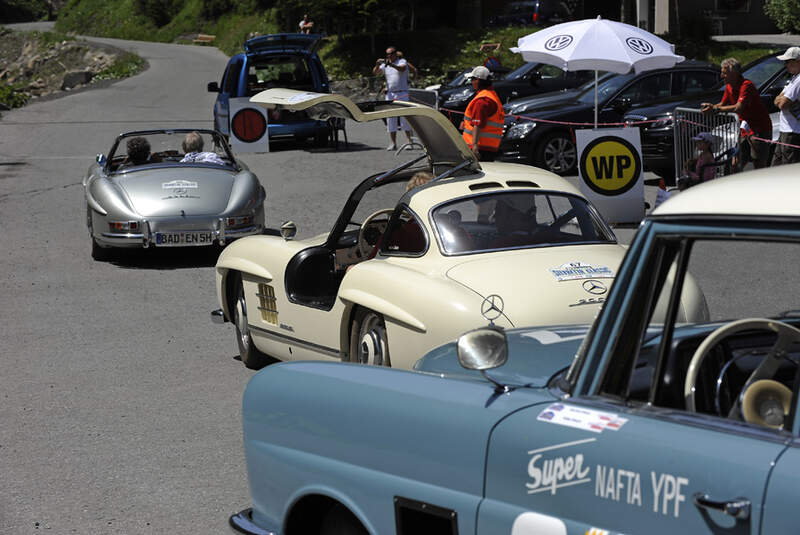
x=193, y=148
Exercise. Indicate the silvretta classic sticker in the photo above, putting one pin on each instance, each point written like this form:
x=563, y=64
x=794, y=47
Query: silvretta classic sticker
x=579, y=270
x=179, y=184
x=581, y=418
x=296, y=99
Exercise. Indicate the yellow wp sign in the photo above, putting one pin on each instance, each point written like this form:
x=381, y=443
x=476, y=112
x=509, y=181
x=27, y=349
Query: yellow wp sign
x=610, y=169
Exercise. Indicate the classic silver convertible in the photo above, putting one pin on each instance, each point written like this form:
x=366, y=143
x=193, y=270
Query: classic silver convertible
x=161, y=188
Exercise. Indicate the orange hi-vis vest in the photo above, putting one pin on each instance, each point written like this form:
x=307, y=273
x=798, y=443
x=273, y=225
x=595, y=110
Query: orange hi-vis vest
x=492, y=132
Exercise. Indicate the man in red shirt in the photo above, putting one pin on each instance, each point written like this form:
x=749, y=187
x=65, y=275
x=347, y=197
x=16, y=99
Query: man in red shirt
x=742, y=97
x=484, y=117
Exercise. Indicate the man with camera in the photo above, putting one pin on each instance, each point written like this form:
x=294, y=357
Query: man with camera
x=396, y=71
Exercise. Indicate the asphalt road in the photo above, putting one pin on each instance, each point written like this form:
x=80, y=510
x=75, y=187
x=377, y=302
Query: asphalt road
x=120, y=404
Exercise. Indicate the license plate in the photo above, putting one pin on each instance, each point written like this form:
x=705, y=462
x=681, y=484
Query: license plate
x=181, y=239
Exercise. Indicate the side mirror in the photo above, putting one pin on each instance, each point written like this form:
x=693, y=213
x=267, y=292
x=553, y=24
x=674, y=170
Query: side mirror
x=621, y=105
x=101, y=160
x=213, y=87
x=535, y=77
x=483, y=349
x=288, y=230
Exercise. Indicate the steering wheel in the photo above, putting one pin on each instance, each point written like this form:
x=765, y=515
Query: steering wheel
x=364, y=246
x=787, y=335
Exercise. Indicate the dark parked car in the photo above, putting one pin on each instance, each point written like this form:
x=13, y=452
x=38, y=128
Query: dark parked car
x=767, y=73
x=532, y=12
x=552, y=146
x=278, y=60
x=530, y=79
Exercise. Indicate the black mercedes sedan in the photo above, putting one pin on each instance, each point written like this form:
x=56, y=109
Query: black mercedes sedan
x=769, y=75
x=541, y=131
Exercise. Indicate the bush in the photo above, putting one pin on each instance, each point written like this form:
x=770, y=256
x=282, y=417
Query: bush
x=124, y=66
x=159, y=11
x=12, y=96
x=785, y=14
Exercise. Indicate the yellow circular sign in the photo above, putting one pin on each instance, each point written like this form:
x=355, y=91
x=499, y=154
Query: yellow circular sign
x=610, y=165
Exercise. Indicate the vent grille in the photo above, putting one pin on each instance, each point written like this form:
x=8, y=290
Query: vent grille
x=521, y=184
x=268, y=305
x=485, y=185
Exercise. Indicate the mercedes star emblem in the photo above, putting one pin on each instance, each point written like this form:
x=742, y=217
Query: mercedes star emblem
x=492, y=307
x=594, y=287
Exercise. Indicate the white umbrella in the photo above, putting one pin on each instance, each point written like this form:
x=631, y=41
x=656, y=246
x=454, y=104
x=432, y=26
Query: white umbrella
x=598, y=45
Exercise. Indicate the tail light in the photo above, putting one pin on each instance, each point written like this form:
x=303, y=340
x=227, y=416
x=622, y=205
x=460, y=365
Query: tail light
x=239, y=221
x=123, y=226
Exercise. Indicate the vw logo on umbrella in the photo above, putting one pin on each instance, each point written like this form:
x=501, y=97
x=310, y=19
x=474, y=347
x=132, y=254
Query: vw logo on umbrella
x=559, y=42
x=639, y=45
x=594, y=287
x=492, y=307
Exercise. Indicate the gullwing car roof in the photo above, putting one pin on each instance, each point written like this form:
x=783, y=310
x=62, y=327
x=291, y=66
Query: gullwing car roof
x=443, y=143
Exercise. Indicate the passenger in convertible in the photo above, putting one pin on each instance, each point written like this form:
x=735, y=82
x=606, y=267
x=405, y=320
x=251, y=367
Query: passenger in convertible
x=193, y=147
x=138, y=151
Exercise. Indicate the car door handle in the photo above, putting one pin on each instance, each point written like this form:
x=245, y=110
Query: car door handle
x=738, y=508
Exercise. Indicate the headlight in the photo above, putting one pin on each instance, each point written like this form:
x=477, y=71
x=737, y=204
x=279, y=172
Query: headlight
x=662, y=122
x=460, y=96
x=520, y=130
x=517, y=110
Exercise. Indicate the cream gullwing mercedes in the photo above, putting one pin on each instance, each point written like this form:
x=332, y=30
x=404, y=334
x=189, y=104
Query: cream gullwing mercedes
x=481, y=242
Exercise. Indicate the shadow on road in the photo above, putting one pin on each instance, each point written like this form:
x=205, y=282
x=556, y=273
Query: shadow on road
x=167, y=258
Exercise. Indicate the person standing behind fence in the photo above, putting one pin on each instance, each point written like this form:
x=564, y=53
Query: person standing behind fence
x=484, y=118
x=306, y=24
x=396, y=71
x=789, y=104
x=742, y=97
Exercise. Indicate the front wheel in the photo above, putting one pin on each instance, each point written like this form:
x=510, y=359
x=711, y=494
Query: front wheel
x=557, y=153
x=340, y=521
x=252, y=358
x=368, y=341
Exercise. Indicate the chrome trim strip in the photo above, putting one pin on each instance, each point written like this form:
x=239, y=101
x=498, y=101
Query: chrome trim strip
x=302, y=343
x=242, y=522
x=122, y=236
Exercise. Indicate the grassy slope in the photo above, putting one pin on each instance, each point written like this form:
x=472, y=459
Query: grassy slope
x=433, y=52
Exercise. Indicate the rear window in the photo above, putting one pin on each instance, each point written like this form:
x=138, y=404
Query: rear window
x=278, y=71
x=513, y=220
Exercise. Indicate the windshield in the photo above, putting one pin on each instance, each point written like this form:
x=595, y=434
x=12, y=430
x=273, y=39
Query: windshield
x=520, y=219
x=763, y=71
x=605, y=88
x=459, y=80
x=169, y=147
x=521, y=71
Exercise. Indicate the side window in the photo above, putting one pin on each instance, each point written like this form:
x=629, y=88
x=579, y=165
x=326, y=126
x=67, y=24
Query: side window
x=406, y=236
x=701, y=346
x=778, y=84
x=691, y=82
x=550, y=71
x=232, y=77
x=648, y=88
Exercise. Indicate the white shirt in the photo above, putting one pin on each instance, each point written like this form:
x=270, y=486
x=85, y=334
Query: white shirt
x=396, y=81
x=789, y=121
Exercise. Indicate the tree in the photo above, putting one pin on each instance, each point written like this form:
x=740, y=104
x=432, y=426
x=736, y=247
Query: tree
x=785, y=14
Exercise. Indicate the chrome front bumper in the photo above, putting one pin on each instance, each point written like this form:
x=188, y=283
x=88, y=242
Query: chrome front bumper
x=242, y=522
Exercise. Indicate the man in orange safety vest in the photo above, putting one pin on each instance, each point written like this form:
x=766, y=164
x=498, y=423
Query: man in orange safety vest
x=483, y=120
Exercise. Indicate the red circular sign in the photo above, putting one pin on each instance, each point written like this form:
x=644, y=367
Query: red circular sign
x=248, y=125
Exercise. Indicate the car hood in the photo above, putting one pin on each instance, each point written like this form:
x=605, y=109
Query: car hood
x=544, y=100
x=545, y=285
x=164, y=192
x=535, y=355
x=444, y=145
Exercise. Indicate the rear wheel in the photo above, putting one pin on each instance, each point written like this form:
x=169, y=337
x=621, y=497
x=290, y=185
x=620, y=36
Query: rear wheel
x=557, y=153
x=339, y=521
x=252, y=358
x=368, y=341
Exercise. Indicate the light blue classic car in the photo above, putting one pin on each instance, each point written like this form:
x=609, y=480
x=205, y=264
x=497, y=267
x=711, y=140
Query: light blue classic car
x=626, y=426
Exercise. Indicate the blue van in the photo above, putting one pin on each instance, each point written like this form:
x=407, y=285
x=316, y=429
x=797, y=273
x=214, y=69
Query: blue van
x=277, y=60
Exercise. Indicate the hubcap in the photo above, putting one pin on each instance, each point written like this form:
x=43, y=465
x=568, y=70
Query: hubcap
x=241, y=321
x=559, y=154
x=371, y=349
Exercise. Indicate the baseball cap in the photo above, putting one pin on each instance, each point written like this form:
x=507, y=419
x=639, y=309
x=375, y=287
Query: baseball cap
x=480, y=72
x=705, y=137
x=792, y=52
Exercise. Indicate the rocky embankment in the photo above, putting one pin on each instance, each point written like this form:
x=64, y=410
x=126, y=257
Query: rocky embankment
x=33, y=65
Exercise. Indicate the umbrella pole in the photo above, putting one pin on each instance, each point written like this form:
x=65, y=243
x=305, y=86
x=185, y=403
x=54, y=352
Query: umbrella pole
x=595, y=100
